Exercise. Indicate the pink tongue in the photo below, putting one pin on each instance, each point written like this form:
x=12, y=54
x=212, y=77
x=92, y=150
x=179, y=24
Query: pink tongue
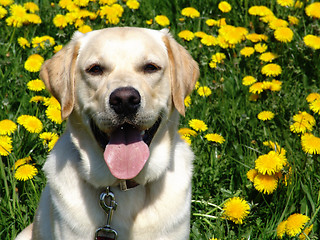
x=126, y=153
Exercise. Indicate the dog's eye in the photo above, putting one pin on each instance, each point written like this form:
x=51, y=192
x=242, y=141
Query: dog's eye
x=151, y=68
x=95, y=69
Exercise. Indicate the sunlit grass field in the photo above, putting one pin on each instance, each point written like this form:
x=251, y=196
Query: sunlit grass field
x=252, y=121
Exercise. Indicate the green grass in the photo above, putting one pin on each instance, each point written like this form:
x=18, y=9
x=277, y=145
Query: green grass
x=219, y=169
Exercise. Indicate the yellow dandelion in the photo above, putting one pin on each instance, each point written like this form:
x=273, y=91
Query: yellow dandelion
x=5, y=145
x=30, y=123
x=52, y=142
x=269, y=163
x=233, y=35
x=23, y=42
x=312, y=41
x=36, y=85
x=260, y=47
x=214, y=137
x=52, y=102
x=21, y=162
x=266, y=184
x=187, y=139
x=275, y=147
x=187, y=101
x=278, y=23
x=283, y=34
x=34, y=63
x=81, y=3
x=83, y=29
x=204, y=91
x=211, y=22
x=236, y=209
x=33, y=18
x=293, y=20
x=58, y=48
x=303, y=122
x=37, y=99
x=25, y=172
x=133, y=4
x=310, y=143
x=256, y=88
x=260, y=11
x=187, y=132
x=313, y=97
x=298, y=4
x=285, y=3
x=315, y=106
x=281, y=229
x=60, y=21
x=3, y=12
x=254, y=37
x=313, y=10
x=108, y=2
x=209, y=40
x=265, y=115
x=6, y=2
x=248, y=80
x=271, y=69
x=295, y=224
x=218, y=57
x=251, y=174
x=149, y=22
x=198, y=125
x=54, y=114
x=200, y=34
x=190, y=12
x=224, y=7
x=7, y=127
x=162, y=20
x=268, y=56
x=305, y=232
x=186, y=35
x=31, y=7
x=247, y=51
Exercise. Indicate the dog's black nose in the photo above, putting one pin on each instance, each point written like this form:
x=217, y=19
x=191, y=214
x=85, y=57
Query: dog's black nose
x=125, y=100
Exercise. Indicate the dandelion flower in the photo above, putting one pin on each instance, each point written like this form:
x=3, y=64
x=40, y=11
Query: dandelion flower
x=254, y=37
x=293, y=20
x=60, y=21
x=260, y=48
x=303, y=122
x=305, y=232
x=256, y=88
x=268, y=57
x=34, y=63
x=186, y=35
x=312, y=41
x=52, y=102
x=269, y=163
x=260, y=11
x=271, y=69
x=162, y=20
x=52, y=142
x=37, y=99
x=265, y=115
x=218, y=57
x=5, y=145
x=281, y=229
x=266, y=184
x=278, y=23
x=187, y=132
x=23, y=42
x=236, y=209
x=31, y=123
x=54, y=114
x=190, y=12
x=31, y=7
x=186, y=138
x=283, y=34
x=21, y=162
x=214, y=137
x=187, y=101
x=211, y=22
x=7, y=127
x=285, y=3
x=25, y=172
x=6, y=2
x=36, y=85
x=313, y=10
x=251, y=174
x=198, y=125
x=224, y=7
x=209, y=40
x=204, y=91
x=313, y=97
x=310, y=143
x=295, y=224
x=248, y=80
x=315, y=106
x=133, y=4
x=247, y=51
x=233, y=35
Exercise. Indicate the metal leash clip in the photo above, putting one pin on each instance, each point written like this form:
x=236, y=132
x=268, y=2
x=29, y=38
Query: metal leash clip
x=108, y=204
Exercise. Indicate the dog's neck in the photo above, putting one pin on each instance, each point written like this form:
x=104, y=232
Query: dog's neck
x=126, y=185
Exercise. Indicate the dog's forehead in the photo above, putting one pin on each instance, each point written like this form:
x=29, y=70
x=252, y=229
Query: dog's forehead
x=122, y=41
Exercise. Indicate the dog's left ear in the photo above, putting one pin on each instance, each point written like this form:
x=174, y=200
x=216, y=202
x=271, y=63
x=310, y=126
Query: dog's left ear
x=183, y=69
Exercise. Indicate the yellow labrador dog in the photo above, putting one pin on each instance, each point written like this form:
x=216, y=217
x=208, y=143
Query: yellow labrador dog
x=120, y=168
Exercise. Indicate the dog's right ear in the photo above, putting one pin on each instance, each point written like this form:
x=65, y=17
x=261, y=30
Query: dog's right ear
x=58, y=74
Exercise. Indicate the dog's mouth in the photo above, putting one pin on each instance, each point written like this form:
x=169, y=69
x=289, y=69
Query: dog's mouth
x=126, y=149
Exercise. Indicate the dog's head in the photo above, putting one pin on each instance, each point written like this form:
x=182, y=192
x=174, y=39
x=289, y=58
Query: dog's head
x=120, y=86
